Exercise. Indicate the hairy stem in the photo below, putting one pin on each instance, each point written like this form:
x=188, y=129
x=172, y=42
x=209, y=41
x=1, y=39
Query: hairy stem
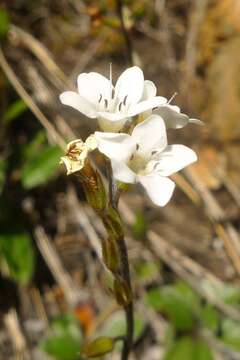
x=128, y=342
x=113, y=248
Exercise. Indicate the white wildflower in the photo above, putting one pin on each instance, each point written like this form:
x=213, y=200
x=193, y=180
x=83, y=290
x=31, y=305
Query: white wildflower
x=145, y=157
x=171, y=114
x=113, y=106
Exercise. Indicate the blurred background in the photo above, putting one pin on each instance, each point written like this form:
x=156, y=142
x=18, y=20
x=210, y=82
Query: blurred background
x=185, y=258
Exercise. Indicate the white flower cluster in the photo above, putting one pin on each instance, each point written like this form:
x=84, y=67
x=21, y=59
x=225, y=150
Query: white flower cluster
x=140, y=153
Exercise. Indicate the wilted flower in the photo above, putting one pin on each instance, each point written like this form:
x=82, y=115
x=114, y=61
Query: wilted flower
x=77, y=152
x=145, y=157
x=113, y=106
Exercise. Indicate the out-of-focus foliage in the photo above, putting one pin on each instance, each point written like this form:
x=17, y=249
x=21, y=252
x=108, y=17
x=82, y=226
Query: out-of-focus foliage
x=4, y=23
x=140, y=226
x=14, y=111
x=2, y=173
x=16, y=255
x=116, y=326
x=98, y=347
x=187, y=348
x=189, y=316
x=231, y=333
x=40, y=167
x=64, y=339
x=179, y=303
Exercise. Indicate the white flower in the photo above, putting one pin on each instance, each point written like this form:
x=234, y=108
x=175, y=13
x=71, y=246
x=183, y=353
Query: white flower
x=173, y=117
x=145, y=157
x=171, y=114
x=113, y=106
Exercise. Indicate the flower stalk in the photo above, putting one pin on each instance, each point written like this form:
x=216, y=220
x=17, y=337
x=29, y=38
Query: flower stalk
x=133, y=139
x=114, y=252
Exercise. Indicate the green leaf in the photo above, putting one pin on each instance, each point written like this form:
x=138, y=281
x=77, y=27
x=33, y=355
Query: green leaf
x=64, y=339
x=17, y=252
x=178, y=302
x=33, y=148
x=98, y=347
x=116, y=326
x=4, y=23
x=187, y=348
x=40, y=168
x=231, y=333
x=14, y=111
x=210, y=317
x=228, y=293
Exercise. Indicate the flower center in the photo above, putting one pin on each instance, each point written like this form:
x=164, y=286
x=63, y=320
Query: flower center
x=138, y=162
x=112, y=104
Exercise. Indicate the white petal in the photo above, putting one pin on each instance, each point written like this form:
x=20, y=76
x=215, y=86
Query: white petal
x=121, y=172
x=159, y=188
x=146, y=105
x=175, y=158
x=92, y=86
x=150, y=134
x=74, y=100
x=149, y=90
x=130, y=83
x=196, y=121
x=115, y=146
x=172, y=117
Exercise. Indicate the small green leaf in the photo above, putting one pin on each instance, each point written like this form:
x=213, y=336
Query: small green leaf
x=98, y=347
x=116, y=326
x=178, y=302
x=210, y=317
x=14, y=111
x=64, y=339
x=17, y=251
x=231, y=333
x=41, y=167
x=4, y=23
x=187, y=348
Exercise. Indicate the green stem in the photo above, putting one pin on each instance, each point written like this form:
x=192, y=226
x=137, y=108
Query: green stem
x=114, y=247
x=127, y=346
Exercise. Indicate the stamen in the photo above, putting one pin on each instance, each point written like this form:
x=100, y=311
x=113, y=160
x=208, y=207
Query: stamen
x=106, y=103
x=173, y=96
x=113, y=93
x=100, y=98
x=124, y=100
x=119, y=106
x=137, y=146
x=154, y=152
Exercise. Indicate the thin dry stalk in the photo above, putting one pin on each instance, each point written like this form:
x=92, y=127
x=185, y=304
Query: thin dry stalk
x=18, y=340
x=56, y=137
x=55, y=265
